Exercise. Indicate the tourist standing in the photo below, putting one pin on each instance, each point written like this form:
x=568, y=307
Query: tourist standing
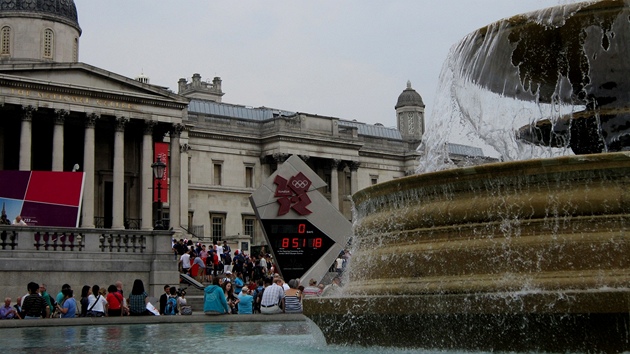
x=185, y=262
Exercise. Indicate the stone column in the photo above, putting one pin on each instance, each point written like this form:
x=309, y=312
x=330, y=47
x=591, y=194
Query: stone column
x=184, y=148
x=175, y=178
x=354, y=179
x=87, y=210
x=334, y=183
x=146, y=171
x=57, y=149
x=118, y=199
x=25, y=138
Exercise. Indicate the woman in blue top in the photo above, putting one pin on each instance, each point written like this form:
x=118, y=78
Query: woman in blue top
x=246, y=302
x=68, y=307
x=214, y=302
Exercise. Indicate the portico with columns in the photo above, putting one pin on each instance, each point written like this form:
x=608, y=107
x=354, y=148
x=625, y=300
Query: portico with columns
x=104, y=124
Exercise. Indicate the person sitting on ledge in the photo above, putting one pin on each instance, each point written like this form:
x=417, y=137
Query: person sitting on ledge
x=8, y=312
x=214, y=302
x=273, y=297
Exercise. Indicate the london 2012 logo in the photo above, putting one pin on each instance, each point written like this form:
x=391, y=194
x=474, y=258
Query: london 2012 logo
x=291, y=194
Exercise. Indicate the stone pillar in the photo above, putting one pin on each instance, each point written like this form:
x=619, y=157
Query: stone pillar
x=175, y=178
x=334, y=183
x=118, y=199
x=57, y=148
x=25, y=138
x=184, y=148
x=87, y=210
x=354, y=179
x=146, y=172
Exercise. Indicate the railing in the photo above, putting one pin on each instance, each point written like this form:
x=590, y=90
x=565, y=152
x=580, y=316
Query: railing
x=129, y=223
x=38, y=239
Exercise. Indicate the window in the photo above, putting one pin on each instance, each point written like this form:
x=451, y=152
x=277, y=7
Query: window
x=48, y=43
x=249, y=176
x=189, y=169
x=249, y=228
x=217, y=174
x=6, y=41
x=75, y=50
x=218, y=227
x=374, y=179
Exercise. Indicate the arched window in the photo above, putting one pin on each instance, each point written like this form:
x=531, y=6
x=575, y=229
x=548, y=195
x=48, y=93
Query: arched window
x=5, y=45
x=49, y=42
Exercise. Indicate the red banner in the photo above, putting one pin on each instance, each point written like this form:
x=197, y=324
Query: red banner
x=161, y=151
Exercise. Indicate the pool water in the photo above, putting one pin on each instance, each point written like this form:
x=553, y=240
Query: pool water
x=233, y=337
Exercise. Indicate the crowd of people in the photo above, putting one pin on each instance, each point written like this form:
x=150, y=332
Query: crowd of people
x=94, y=301
x=238, y=284
x=243, y=284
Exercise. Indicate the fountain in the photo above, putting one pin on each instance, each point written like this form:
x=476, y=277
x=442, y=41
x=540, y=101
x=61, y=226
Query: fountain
x=527, y=255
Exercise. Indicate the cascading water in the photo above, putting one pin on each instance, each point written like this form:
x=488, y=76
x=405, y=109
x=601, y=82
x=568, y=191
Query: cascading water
x=527, y=254
x=537, y=84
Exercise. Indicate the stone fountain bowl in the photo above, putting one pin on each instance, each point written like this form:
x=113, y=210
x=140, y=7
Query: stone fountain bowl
x=574, y=54
x=528, y=255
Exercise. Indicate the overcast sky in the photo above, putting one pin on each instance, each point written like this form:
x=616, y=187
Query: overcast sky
x=343, y=58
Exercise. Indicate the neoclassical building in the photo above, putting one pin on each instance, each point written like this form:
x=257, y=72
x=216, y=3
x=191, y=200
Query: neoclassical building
x=57, y=113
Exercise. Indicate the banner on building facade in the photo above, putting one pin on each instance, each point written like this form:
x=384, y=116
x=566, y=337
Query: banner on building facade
x=42, y=198
x=161, y=151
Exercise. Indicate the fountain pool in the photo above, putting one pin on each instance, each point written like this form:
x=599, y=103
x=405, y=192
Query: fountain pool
x=236, y=337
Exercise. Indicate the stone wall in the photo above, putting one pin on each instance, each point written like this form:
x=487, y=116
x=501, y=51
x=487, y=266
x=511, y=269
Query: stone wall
x=56, y=256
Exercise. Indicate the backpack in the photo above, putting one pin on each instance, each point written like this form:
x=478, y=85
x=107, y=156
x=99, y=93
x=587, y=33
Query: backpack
x=171, y=306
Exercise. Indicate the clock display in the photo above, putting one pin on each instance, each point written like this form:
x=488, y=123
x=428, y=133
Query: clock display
x=296, y=244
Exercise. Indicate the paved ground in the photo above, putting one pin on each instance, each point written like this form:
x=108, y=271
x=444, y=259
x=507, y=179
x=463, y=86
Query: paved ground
x=194, y=318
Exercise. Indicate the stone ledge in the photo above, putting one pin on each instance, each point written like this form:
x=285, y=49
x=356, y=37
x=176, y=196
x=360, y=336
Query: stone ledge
x=198, y=317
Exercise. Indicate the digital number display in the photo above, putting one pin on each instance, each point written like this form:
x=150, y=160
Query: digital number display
x=296, y=244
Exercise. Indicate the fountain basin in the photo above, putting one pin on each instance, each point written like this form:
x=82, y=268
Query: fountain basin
x=527, y=255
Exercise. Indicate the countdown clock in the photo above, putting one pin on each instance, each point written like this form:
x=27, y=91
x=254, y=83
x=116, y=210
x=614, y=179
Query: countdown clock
x=297, y=245
x=304, y=232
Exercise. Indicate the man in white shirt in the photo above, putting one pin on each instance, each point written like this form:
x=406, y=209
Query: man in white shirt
x=273, y=297
x=18, y=221
x=185, y=261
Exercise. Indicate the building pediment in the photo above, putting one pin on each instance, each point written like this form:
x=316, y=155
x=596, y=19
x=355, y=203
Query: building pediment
x=81, y=82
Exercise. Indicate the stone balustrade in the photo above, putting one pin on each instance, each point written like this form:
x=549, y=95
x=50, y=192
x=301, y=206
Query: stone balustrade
x=78, y=257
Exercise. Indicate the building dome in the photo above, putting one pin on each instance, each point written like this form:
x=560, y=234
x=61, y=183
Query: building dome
x=55, y=10
x=409, y=97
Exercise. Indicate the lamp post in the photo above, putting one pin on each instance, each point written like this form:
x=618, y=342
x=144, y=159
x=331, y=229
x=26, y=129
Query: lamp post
x=158, y=173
